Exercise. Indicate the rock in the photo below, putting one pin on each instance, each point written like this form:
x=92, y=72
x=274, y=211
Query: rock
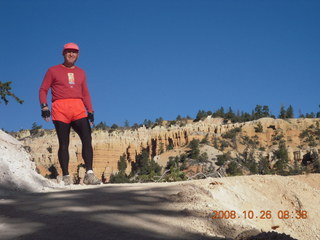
x=108, y=147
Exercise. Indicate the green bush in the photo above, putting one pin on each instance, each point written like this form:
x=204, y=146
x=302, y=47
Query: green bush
x=119, y=177
x=233, y=169
x=194, y=149
x=222, y=159
x=175, y=175
x=258, y=128
x=263, y=166
x=145, y=168
x=231, y=133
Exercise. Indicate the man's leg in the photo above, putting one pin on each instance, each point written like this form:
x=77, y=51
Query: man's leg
x=63, y=132
x=82, y=128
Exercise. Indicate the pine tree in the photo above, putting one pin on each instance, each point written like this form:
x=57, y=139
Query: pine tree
x=282, y=156
x=220, y=113
x=195, y=151
x=159, y=121
x=257, y=112
x=35, y=129
x=283, y=112
x=289, y=112
x=265, y=111
x=230, y=115
x=147, y=123
x=126, y=124
x=201, y=115
x=122, y=164
x=5, y=90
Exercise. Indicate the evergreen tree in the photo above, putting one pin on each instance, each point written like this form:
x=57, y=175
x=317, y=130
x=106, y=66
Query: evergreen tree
x=201, y=115
x=122, y=164
x=233, y=169
x=258, y=128
x=265, y=111
x=257, y=112
x=230, y=115
x=5, y=90
x=35, y=129
x=142, y=162
x=222, y=159
x=282, y=113
x=126, y=124
x=114, y=126
x=289, y=112
x=263, y=166
x=159, y=121
x=251, y=163
x=310, y=115
x=145, y=166
x=194, y=146
x=101, y=125
x=220, y=113
x=147, y=123
x=245, y=117
x=121, y=176
x=282, y=156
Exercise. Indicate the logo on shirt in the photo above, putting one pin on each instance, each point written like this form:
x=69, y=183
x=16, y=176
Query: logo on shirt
x=71, y=78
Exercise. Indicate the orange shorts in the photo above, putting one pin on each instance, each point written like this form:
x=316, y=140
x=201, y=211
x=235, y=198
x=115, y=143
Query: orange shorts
x=68, y=110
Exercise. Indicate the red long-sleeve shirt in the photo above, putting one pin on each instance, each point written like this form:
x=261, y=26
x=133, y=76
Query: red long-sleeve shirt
x=65, y=83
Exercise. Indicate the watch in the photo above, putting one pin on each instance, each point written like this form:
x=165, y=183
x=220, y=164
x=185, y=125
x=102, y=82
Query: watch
x=43, y=105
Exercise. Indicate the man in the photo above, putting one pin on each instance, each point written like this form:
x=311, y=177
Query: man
x=70, y=103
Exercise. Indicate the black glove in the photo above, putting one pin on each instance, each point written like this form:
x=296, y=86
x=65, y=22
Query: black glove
x=91, y=117
x=45, y=113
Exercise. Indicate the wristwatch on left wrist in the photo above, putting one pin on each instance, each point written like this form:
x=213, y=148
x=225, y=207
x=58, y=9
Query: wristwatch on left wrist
x=43, y=105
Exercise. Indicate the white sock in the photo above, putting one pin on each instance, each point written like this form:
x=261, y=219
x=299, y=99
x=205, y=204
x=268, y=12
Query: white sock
x=90, y=171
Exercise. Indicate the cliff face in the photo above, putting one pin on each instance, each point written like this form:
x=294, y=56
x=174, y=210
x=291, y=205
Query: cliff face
x=108, y=147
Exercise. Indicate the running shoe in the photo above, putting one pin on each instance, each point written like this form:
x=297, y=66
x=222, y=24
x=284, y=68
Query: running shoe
x=67, y=180
x=91, y=179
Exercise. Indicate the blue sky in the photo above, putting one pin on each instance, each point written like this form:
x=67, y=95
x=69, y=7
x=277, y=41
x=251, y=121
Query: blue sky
x=146, y=59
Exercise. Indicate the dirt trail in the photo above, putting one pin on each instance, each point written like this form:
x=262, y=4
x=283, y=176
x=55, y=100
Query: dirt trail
x=181, y=210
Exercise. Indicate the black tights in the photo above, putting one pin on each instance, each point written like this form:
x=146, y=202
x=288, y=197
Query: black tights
x=82, y=128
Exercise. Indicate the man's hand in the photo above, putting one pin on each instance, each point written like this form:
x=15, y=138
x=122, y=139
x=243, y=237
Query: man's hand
x=91, y=118
x=45, y=114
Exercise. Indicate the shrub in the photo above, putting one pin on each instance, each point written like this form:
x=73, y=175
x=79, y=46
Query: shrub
x=175, y=175
x=145, y=167
x=231, y=133
x=258, y=128
x=119, y=177
x=195, y=151
x=233, y=169
x=263, y=166
x=221, y=159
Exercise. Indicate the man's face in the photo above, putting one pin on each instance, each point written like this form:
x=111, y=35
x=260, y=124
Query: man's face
x=70, y=56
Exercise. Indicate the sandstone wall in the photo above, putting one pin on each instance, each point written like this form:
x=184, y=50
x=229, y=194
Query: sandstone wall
x=108, y=147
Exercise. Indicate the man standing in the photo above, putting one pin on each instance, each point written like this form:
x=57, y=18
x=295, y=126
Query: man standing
x=70, y=103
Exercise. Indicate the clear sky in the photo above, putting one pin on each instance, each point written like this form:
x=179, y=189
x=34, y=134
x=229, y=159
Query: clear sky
x=147, y=59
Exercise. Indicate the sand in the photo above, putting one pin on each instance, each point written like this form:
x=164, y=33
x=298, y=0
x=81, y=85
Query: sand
x=32, y=207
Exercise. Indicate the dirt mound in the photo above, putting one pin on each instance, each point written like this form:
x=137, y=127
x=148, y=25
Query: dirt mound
x=17, y=171
x=230, y=206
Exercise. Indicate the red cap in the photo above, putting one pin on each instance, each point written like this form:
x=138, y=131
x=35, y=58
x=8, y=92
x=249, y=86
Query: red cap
x=71, y=46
